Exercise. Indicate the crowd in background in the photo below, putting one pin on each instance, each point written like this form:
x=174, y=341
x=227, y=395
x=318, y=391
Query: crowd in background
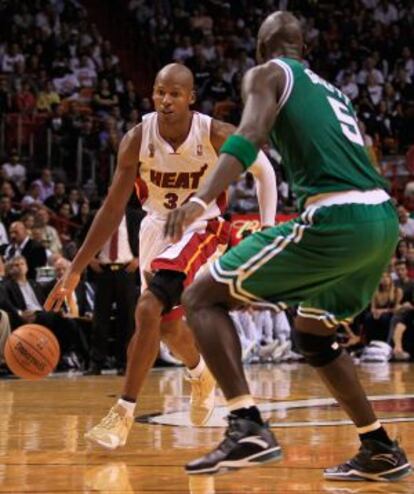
x=58, y=74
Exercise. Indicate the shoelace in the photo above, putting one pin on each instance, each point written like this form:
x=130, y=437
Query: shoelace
x=110, y=420
x=195, y=386
x=232, y=432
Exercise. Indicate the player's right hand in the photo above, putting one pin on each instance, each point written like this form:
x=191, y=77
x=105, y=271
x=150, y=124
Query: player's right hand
x=62, y=291
x=180, y=218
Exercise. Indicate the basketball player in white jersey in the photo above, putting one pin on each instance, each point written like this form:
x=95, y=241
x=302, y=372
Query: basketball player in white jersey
x=168, y=156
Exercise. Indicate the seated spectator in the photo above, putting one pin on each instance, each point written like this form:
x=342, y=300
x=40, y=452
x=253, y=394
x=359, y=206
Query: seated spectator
x=104, y=98
x=66, y=228
x=28, y=221
x=66, y=83
x=25, y=305
x=243, y=195
x=243, y=320
x=9, y=188
x=74, y=201
x=8, y=215
x=13, y=170
x=46, y=184
x=216, y=88
x=129, y=99
x=83, y=301
x=184, y=50
x=46, y=98
x=21, y=244
x=348, y=86
x=401, y=250
x=25, y=100
x=386, y=301
x=37, y=235
x=58, y=197
x=410, y=261
x=4, y=239
x=404, y=317
x=132, y=120
x=86, y=73
x=84, y=219
x=12, y=59
x=406, y=224
x=49, y=235
x=32, y=197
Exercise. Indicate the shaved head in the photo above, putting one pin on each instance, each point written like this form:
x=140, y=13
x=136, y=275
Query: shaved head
x=176, y=73
x=279, y=34
x=173, y=94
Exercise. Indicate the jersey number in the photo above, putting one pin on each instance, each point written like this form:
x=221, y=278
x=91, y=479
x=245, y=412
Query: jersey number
x=348, y=123
x=171, y=200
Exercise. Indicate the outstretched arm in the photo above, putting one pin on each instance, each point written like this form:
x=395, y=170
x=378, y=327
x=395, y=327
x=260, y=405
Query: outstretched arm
x=262, y=87
x=107, y=219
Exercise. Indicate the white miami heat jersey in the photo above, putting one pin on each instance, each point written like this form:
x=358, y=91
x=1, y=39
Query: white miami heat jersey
x=167, y=178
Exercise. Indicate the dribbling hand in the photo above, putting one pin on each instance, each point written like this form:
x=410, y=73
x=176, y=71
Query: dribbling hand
x=62, y=291
x=179, y=219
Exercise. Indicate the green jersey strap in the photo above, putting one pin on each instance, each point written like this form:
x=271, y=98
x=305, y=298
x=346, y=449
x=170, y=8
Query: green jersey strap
x=290, y=80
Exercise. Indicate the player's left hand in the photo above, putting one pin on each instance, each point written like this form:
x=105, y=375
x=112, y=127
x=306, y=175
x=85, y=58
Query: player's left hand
x=180, y=218
x=62, y=291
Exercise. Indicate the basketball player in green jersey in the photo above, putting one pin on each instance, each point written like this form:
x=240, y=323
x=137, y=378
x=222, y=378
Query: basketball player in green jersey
x=328, y=261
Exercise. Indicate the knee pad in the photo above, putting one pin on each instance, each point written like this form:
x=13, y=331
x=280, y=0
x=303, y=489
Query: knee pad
x=168, y=287
x=317, y=350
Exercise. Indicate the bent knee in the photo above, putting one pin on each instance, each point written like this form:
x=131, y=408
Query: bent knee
x=149, y=306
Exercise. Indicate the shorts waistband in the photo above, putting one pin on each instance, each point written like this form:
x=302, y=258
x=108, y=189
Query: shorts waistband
x=370, y=197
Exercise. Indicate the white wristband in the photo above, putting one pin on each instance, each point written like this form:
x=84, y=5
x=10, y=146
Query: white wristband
x=200, y=202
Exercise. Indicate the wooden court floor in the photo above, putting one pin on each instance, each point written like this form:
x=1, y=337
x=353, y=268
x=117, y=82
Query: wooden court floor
x=42, y=449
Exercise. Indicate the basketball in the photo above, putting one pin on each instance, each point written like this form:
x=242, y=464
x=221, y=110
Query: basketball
x=32, y=351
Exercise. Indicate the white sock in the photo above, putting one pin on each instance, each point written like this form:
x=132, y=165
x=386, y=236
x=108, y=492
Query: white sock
x=244, y=401
x=128, y=405
x=196, y=372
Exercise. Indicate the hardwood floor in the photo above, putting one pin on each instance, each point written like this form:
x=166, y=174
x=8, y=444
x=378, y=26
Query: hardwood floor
x=42, y=449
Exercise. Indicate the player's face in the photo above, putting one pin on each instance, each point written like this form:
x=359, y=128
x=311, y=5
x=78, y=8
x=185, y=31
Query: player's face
x=171, y=100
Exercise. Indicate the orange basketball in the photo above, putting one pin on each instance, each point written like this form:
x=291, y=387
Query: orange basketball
x=32, y=351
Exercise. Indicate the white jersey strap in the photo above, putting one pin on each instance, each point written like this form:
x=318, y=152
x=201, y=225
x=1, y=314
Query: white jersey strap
x=289, y=83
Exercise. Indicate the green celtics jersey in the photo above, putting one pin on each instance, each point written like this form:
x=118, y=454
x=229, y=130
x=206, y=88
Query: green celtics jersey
x=317, y=135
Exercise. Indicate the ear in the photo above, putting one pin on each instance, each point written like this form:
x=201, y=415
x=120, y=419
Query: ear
x=193, y=97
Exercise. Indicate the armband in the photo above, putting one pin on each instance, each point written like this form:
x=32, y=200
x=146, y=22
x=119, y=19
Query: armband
x=199, y=201
x=241, y=148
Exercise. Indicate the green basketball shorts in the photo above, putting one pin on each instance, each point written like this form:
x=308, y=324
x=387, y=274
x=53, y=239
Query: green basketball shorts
x=328, y=261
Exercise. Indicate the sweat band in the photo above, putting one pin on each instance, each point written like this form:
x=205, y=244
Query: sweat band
x=241, y=148
x=199, y=201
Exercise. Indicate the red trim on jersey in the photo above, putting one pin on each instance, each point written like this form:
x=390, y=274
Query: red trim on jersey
x=141, y=189
x=197, y=251
x=173, y=315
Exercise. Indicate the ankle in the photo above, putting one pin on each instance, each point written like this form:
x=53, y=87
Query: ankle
x=251, y=413
x=374, y=432
x=196, y=371
x=127, y=405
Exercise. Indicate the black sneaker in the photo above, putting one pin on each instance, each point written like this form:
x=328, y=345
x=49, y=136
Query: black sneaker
x=93, y=370
x=247, y=444
x=374, y=461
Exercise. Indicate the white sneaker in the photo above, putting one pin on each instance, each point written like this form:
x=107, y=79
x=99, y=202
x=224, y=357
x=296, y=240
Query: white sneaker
x=112, y=431
x=202, y=397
